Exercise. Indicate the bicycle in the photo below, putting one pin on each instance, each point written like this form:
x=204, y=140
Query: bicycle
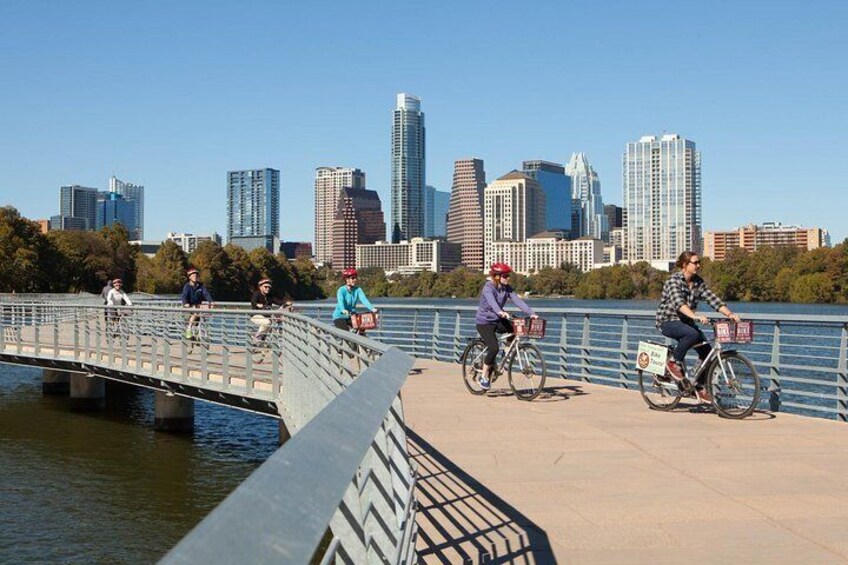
x=729, y=377
x=523, y=361
x=119, y=331
x=261, y=347
x=197, y=335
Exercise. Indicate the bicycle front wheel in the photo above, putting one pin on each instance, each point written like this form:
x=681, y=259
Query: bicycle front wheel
x=472, y=366
x=527, y=372
x=658, y=393
x=734, y=386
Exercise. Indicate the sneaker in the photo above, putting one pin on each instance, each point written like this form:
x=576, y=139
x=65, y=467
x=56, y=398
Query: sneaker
x=484, y=383
x=188, y=334
x=675, y=371
x=703, y=395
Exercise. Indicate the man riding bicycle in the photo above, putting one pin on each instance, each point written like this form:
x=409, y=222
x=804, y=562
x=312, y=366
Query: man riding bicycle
x=264, y=299
x=193, y=296
x=491, y=319
x=676, y=316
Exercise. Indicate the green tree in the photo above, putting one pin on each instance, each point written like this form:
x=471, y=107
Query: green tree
x=85, y=261
x=813, y=287
x=165, y=273
x=619, y=285
x=27, y=259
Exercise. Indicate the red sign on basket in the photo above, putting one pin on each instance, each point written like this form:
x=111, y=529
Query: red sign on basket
x=530, y=327
x=366, y=321
x=744, y=332
x=725, y=332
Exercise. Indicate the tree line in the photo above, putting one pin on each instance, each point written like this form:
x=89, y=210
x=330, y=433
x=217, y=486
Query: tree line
x=82, y=261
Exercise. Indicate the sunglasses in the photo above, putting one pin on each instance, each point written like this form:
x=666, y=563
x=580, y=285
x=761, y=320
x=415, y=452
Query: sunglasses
x=695, y=262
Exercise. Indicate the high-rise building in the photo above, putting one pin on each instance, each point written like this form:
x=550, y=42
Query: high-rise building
x=662, y=198
x=188, y=242
x=548, y=249
x=113, y=209
x=79, y=202
x=296, y=249
x=717, y=244
x=615, y=216
x=436, y=205
x=253, y=208
x=68, y=223
x=513, y=210
x=359, y=220
x=408, y=140
x=586, y=189
x=464, y=223
x=557, y=187
x=329, y=182
x=134, y=192
x=413, y=256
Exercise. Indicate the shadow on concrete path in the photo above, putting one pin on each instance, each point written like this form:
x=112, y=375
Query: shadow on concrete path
x=461, y=521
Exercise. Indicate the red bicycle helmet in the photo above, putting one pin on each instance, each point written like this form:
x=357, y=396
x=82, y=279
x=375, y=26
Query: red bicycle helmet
x=499, y=269
x=117, y=281
x=350, y=272
x=192, y=271
x=264, y=282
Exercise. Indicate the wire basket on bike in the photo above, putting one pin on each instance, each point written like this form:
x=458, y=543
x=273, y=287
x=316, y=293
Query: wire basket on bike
x=533, y=328
x=740, y=332
x=365, y=321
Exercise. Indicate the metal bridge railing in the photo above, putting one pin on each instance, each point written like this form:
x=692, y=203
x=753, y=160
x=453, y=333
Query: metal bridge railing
x=353, y=469
x=802, y=359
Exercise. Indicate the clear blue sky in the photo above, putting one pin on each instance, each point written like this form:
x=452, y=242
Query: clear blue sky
x=171, y=95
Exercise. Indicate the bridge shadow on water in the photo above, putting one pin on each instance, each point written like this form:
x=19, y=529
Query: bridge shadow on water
x=461, y=521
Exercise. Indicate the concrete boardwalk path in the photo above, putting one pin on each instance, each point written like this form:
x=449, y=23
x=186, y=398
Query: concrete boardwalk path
x=588, y=474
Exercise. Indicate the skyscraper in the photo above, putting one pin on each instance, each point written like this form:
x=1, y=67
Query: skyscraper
x=253, y=208
x=112, y=208
x=329, y=182
x=514, y=209
x=662, y=198
x=79, y=202
x=134, y=192
x=359, y=221
x=557, y=186
x=586, y=189
x=436, y=205
x=465, y=211
x=408, y=140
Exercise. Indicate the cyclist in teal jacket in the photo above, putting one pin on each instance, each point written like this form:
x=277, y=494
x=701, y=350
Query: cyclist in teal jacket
x=347, y=297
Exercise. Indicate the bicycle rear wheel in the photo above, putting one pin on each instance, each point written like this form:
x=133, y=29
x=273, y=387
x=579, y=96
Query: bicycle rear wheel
x=472, y=366
x=527, y=372
x=735, y=387
x=658, y=393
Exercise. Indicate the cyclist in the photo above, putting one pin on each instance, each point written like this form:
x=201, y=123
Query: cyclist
x=491, y=319
x=194, y=294
x=116, y=297
x=347, y=297
x=676, y=316
x=264, y=299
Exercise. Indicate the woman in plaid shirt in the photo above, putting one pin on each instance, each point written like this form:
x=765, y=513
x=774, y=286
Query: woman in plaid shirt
x=676, y=314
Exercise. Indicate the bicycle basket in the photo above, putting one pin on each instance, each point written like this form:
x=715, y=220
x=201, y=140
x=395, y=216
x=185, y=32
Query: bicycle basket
x=529, y=327
x=366, y=321
x=728, y=332
x=744, y=332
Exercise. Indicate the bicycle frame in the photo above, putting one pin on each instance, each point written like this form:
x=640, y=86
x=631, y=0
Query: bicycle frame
x=508, y=353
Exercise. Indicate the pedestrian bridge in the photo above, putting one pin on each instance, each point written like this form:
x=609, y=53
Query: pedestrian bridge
x=583, y=474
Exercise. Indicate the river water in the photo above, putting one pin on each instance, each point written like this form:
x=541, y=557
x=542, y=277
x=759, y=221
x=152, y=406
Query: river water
x=105, y=488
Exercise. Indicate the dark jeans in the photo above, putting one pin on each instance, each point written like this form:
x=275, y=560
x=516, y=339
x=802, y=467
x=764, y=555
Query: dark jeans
x=342, y=323
x=488, y=333
x=686, y=335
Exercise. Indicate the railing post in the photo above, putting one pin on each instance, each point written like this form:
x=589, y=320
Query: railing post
x=774, y=370
x=457, y=350
x=434, y=344
x=622, y=357
x=585, y=369
x=415, y=333
x=563, y=347
x=842, y=377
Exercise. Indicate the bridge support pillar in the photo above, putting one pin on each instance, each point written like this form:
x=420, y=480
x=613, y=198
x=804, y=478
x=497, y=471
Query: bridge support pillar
x=285, y=435
x=54, y=381
x=87, y=392
x=173, y=413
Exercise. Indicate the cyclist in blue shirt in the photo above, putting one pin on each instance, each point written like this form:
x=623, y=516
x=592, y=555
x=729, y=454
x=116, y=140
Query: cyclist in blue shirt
x=491, y=319
x=193, y=296
x=347, y=297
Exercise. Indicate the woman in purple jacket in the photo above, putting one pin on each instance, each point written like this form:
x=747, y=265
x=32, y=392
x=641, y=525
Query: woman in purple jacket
x=491, y=319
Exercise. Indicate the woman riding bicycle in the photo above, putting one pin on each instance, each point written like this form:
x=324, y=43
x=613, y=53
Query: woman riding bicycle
x=491, y=318
x=347, y=297
x=676, y=315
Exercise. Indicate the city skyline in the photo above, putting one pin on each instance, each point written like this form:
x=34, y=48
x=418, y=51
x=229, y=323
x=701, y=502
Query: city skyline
x=166, y=132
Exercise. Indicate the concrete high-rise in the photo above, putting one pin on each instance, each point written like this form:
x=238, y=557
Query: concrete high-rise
x=359, y=221
x=513, y=210
x=408, y=179
x=464, y=223
x=135, y=193
x=79, y=202
x=662, y=198
x=586, y=190
x=436, y=205
x=329, y=182
x=557, y=187
x=253, y=208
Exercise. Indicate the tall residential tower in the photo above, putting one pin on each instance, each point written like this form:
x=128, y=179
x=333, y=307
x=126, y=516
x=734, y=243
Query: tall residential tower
x=514, y=209
x=465, y=211
x=329, y=183
x=408, y=142
x=253, y=208
x=662, y=198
